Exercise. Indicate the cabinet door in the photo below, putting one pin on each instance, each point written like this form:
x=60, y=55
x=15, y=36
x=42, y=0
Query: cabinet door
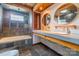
x=19, y=43
x=29, y=42
x=1, y=16
x=7, y=45
x=36, y=39
x=24, y=43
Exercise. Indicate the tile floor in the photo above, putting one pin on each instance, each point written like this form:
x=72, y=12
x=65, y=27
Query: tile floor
x=37, y=50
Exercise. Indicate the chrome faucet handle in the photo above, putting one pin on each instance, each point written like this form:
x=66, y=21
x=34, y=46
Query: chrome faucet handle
x=68, y=30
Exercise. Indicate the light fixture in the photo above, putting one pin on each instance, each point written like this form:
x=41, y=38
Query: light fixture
x=41, y=8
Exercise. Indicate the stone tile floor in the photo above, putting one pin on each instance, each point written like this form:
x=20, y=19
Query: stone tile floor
x=37, y=50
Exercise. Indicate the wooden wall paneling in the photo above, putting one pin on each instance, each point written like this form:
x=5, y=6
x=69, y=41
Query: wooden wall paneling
x=36, y=21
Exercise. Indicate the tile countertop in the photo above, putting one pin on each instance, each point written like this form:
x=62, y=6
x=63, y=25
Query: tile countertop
x=73, y=38
x=14, y=39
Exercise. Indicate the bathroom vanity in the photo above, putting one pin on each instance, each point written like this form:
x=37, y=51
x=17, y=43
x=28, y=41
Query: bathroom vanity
x=64, y=44
x=57, y=25
x=18, y=41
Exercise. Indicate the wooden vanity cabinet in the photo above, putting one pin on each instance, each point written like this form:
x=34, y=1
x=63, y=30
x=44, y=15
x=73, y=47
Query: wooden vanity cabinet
x=36, y=39
x=59, y=48
x=22, y=43
x=62, y=50
x=6, y=45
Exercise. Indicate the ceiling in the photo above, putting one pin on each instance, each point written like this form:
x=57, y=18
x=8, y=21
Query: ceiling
x=30, y=4
x=41, y=6
x=36, y=7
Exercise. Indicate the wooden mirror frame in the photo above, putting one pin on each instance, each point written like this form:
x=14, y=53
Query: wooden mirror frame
x=71, y=8
x=46, y=19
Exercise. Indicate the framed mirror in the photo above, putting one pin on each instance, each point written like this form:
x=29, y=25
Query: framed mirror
x=46, y=19
x=65, y=13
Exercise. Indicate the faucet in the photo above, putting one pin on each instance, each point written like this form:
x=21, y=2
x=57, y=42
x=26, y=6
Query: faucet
x=68, y=30
x=48, y=28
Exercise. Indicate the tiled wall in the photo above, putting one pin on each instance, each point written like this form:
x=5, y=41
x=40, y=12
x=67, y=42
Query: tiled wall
x=7, y=29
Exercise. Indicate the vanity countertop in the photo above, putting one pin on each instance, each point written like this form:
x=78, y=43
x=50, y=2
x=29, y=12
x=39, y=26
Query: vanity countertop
x=73, y=38
x=14, y=39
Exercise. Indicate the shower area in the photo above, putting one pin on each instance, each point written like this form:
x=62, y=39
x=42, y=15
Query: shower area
x=15, y=23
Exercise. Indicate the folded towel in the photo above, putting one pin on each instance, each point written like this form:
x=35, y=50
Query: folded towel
x=10, y=53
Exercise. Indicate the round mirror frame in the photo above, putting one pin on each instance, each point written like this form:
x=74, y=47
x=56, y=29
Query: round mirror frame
x=66, y=12
x=46, y=19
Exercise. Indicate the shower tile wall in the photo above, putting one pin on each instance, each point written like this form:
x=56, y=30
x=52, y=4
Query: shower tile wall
x=10, y=27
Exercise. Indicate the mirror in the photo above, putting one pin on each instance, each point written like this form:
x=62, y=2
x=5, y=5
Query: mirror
x=46, y=19
x=65, y=13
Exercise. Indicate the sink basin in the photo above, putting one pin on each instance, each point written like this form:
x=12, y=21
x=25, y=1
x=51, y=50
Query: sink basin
x=55, y=32
x=60, y=33
x=63, y=33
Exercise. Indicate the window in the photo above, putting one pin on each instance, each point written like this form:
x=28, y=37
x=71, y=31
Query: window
x=15, y=17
